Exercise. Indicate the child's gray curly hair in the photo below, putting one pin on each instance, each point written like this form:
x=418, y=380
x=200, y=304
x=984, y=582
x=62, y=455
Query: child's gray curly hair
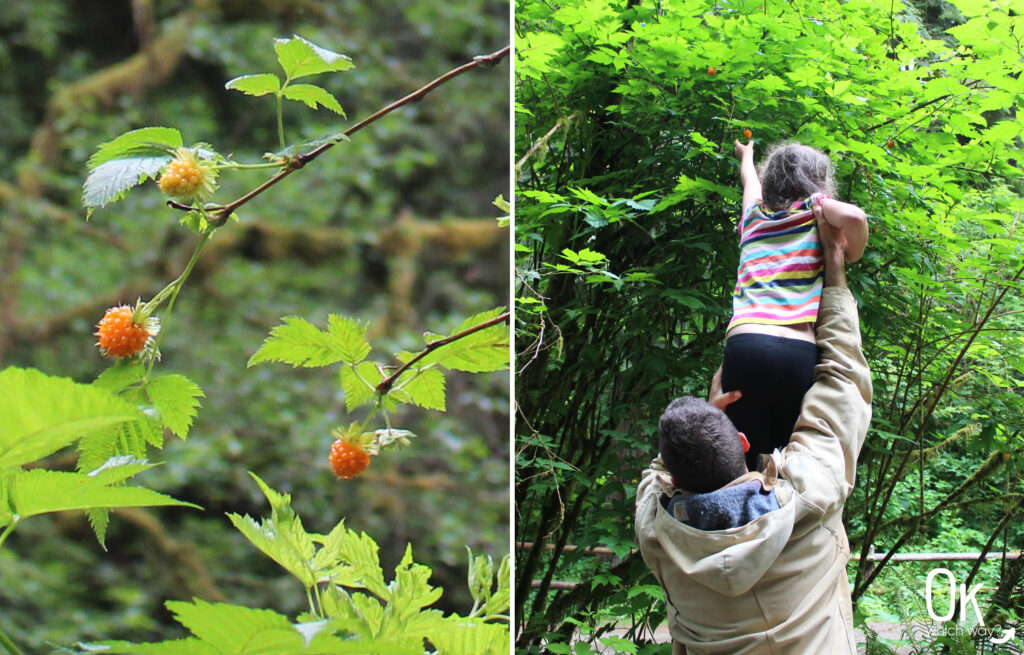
x=791, y=172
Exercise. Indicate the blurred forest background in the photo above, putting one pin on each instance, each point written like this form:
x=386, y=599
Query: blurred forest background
x=628, y=195
x=395, y=228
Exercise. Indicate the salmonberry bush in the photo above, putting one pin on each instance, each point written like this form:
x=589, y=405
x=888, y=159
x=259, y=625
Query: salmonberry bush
x=114, y=424
x=628, y=193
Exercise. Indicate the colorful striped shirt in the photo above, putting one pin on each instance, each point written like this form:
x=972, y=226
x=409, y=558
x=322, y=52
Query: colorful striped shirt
x=781, y=266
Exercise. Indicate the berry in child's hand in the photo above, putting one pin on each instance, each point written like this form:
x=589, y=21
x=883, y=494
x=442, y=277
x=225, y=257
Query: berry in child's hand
x=118, y=335
x=348, y=459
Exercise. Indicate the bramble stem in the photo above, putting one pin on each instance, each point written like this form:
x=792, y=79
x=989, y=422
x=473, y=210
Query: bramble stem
x=8, y=644
x=7, y=531
x=222, y=215
x=175, y=288
x=389, y=381
x=280, y=120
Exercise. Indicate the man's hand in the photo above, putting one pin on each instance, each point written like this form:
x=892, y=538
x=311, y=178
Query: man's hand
x=718, y=399
x=833, y=245
x=742, y=150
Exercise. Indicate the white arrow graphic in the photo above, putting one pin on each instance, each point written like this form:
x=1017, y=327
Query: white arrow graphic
x=1007, y=636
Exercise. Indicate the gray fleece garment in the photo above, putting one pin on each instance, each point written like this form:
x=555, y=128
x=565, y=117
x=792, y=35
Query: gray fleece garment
x=721, y=509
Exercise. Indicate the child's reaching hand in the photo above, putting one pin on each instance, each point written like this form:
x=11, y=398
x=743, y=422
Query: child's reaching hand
x=742, y=150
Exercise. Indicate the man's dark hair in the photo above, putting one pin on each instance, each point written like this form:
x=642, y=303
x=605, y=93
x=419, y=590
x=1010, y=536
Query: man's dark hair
x=699, y=445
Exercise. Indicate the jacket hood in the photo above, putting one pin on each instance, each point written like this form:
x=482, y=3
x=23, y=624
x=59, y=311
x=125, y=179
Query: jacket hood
x=749, y=527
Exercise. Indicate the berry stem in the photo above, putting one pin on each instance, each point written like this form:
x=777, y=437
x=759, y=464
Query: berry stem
x=280, y=119
x=8, y=644
x=173, y=288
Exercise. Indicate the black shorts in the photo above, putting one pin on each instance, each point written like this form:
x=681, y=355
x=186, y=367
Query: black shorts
x=773, y=373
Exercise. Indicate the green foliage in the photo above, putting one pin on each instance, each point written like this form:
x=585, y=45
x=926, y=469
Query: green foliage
x=626, y=251
x=352, y=608
x=299, y=58
x=41, y=414
x=300, y=343
x=127, y=161
x=478, y=345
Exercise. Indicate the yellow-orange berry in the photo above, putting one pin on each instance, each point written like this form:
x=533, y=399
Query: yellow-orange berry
x=348, y=459
x=747, y=134
x=118, y=335
x=185, y=177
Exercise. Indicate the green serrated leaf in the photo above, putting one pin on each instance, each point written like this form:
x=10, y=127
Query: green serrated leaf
x=300, y=343
x=238, y=630
x=109, y=181
x=359, y=383
x=40, y=414
x=423, y=387
x=299, y=58
x=255, y=85
x=176, y=398
x=313, y=96
x=121, y=375
x=306, y=146
x=39, y=491
x=147, y=141
x=189, y=646
x=281, y=537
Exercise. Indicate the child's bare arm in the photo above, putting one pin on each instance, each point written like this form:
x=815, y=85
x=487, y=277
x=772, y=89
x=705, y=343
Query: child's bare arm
x=748, y=174
x=852, y=220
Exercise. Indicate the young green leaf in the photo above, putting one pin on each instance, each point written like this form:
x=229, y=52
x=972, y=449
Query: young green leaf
x=40, y=414
x=478, y=352
x=39, y=491
x=299, y=58
x=238, y=630
x=300, y=343
x=189, y=646
x=121, y=375
x=255, y=85
x=176, y=398
x=307, y=146
x=423, y=387
x=109, y=181
x=145, y=142
x=312, y=96
x=359, y=383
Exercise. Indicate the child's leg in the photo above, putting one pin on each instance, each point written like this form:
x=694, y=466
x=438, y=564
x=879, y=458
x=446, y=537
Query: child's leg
x=773, y=373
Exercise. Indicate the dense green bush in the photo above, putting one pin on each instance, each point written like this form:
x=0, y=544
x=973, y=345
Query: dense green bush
x=627, y=197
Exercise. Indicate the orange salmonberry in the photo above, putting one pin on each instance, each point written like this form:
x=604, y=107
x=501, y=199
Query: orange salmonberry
x=185, y=177
x=889, y=144
x=712, y=70
x=348, y=459
x=118, y=335
x=747, y=134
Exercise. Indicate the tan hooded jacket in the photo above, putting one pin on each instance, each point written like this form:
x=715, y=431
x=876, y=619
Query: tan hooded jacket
x=777, y=584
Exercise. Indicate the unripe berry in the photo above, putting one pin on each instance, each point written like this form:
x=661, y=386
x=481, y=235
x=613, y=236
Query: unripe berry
x=118, y=335
x=186, y=177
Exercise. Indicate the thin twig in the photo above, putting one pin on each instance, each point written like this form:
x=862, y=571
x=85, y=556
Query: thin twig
x=387, y=382
x=298, y=162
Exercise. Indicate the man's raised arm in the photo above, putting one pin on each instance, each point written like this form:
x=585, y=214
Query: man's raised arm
x=837, y=408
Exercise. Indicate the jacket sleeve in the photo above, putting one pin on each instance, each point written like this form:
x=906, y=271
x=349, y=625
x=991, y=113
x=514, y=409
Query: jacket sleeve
x=821, y=458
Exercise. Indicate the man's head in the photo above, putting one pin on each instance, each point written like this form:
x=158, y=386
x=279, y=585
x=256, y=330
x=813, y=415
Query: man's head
x=700, y=446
